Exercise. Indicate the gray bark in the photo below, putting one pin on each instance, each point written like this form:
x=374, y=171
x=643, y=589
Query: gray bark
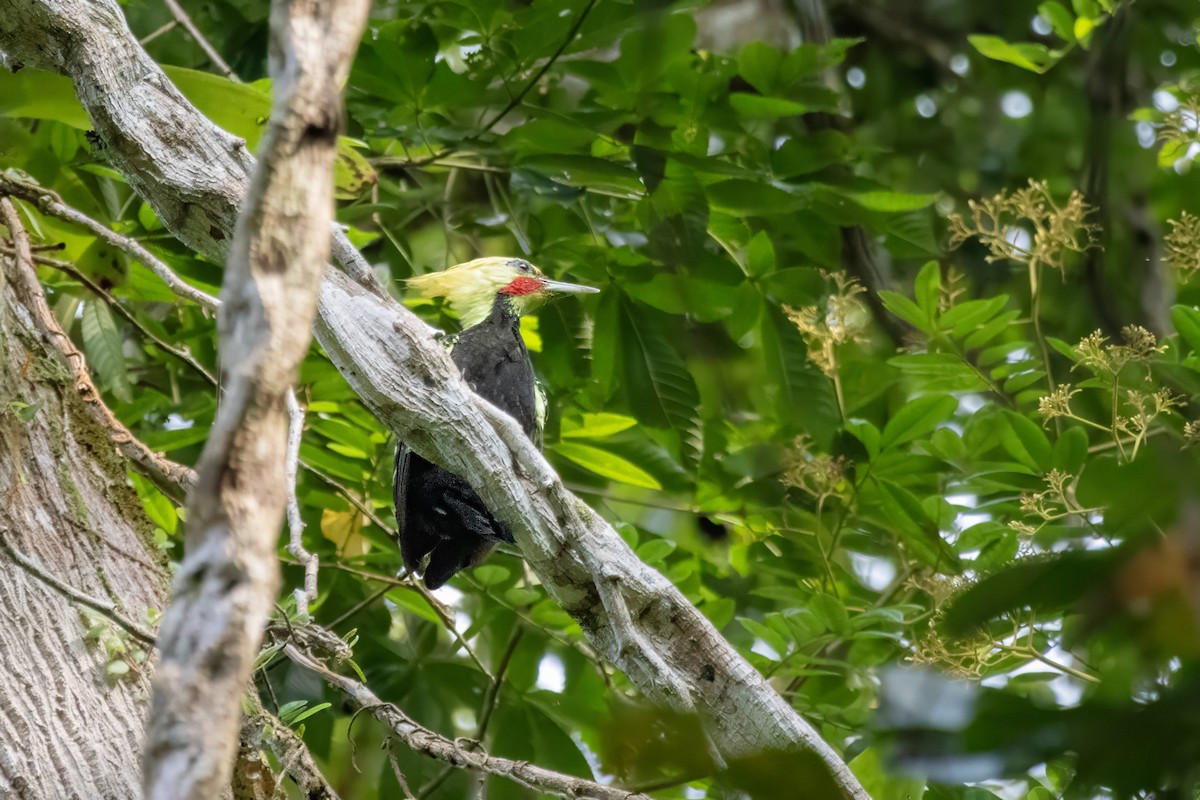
x=66, y=730
x=227, y=582
x=194, y=176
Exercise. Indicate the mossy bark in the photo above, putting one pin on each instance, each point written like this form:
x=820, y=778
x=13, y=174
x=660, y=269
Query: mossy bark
x=67, y=729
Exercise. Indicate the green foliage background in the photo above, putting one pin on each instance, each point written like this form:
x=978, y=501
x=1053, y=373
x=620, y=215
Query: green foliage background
x=843, y=486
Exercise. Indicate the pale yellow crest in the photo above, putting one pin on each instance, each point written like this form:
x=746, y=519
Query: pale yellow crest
x=471, y=287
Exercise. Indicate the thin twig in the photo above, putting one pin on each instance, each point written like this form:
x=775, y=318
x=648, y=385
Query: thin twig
x=443, y=613
x=431, y=743
x=528, y=87
x=359, y=606
x=307, y=593
x=183, y=19
x=490, y=700
x=169, y=476
x=525, y=90
x=157, y=32
x=102, y=607
x=94, y=288
x=352, y=498
x=261, y=726
x=493, y=694
x=390, y=746
x=48, y=202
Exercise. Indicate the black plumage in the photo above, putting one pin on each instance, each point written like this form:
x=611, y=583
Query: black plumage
x=438, y=514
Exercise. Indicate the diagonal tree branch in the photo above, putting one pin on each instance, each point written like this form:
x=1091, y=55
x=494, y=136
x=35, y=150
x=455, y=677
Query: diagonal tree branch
x=103, y=607
x=226, y=584
x=445, y=749
x=168, y=475
x=183, y=19
x=48, y=202
x=194, y=176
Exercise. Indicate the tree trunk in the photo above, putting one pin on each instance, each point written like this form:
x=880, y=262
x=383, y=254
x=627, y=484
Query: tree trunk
x=69, y=728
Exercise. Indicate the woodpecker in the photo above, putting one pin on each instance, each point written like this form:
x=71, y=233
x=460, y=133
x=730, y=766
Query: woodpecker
x=443, y=524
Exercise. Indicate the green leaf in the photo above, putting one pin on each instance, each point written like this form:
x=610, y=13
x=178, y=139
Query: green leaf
x=586, y=172
x=830, y=612
x=906, y=310
x=595, y=426
x=491, y=574
x=1048, y=584
x=807, y=154
x=889, y=202
x=158, y=507
x=1033, y=57
x=655, y=376
x=759, y=63
x=939, y=372
x=606, y=464
x=881, y=784
x=241, y=109
x=1061, y=20
x=27, y=412
x=917, y=418
x=753, y=106
x=103, y=347
x=41, y=95
x=866, y=433
x=1083, y=29
x=655, y=550
x=928, y=288
x=797, y=286
x=752, y=198
x=409, y=600
x=913, y=526
x=966, y=317
x=1187, y=324
x=804, y=399
x=308, y=713
x=1026, y=441
x=760, y=255
x=1070, y=451
x=774, y=640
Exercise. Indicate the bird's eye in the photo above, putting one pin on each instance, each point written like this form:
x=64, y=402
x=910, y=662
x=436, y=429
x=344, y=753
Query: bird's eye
x=525, y=266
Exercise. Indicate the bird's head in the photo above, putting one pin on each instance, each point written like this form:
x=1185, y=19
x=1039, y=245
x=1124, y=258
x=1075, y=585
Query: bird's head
x=472, y=288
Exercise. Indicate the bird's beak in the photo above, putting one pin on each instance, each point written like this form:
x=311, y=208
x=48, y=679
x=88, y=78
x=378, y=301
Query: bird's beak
x=568, y=288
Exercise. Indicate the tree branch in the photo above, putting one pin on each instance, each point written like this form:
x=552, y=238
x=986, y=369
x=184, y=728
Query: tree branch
x=183, y=19
x=68, y=268
x=48, y=202
x=162, y=144
x=431, y=743
x=102, y=607
x=166, y=474
x=259, y=727
x=308, y=592
x=227, y=582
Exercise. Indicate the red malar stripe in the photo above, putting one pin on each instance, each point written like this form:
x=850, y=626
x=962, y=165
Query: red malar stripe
x=522, y=286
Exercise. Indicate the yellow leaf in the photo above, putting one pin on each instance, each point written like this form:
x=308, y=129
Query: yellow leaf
x=344, y=529
x=531, y=335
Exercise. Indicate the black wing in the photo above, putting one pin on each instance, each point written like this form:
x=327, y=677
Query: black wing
x=408, y=548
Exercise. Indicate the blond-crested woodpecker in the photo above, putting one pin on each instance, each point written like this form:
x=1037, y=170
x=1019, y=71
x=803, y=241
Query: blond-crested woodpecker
x=443, y=524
